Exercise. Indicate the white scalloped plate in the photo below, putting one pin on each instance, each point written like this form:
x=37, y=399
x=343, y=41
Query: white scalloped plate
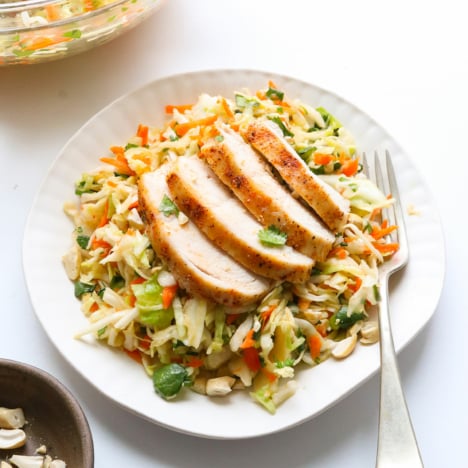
x=415, y=291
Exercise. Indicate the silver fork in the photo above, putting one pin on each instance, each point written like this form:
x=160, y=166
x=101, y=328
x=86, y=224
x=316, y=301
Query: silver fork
x=397, y=445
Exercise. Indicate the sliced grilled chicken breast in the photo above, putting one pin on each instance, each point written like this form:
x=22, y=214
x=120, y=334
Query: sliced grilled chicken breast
x=267, y=138
x=244, y=171
x=198, y=265
x=213, y=208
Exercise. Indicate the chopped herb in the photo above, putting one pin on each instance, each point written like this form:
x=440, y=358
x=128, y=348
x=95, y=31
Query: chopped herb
x=315, y=271
x=368, y=228
x=23, y=52
x=272, y=236
x=274, y=94
x=130, y=145
x=376, y=293
x=306, y=152
x=82, y=241
x=168, y=380
x=318, y=170
x=168, y=207
x=117, y=282
x=243, y=102
x=219, y=138
x=101, y=331
x=342, y=321
x=336, y=166
x=286, y=363
x=83, y=288
x=280, y=123
x=74, y=34
x=86, y=185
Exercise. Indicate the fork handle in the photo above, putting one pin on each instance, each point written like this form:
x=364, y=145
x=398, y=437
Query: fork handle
x=397, y=445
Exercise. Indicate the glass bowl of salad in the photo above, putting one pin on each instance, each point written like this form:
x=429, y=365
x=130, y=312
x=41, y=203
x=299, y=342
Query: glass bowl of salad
x=34, y=31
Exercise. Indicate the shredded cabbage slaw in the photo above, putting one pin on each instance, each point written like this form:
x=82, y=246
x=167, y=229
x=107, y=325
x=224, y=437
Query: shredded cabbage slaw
x=133, y=302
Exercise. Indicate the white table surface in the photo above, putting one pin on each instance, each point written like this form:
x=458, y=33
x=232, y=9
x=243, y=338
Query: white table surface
x=404, y=63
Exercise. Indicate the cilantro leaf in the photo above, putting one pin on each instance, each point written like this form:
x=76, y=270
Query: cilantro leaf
x=272, y=236
x=168, y=207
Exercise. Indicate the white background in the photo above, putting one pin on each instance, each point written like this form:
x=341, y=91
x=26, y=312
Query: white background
x=404, y=63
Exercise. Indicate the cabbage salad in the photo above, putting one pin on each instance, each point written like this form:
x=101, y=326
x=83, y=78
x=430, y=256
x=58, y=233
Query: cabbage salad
x=133, y=302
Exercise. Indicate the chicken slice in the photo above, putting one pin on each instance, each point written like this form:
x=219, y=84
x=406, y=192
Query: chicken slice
x=243, y=170
x=219, y=214
x=267, y=138
x=198, y=265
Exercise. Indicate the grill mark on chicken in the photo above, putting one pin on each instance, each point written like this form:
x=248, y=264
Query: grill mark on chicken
x=198, y=265
x=245, y=172
x=266, y=137
x=199, y=194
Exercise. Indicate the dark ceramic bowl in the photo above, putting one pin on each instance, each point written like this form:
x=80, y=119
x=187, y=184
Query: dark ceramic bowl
x=54, y=417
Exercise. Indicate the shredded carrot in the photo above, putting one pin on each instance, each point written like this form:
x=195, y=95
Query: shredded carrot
x=119, y=162
x=339, y=252
x=303, y=304
x=322, y=328
x=375, y=213
x=94, y=307
x=183, y=128
x=145, y=342
x=138, y=280
x=169, y=109
x=135, y=355
x=248, y=342
x=226, y=108
x=350, y=167
x=261, y=95
x=105, y=215
x=315, y=345
x=265, y=315
x=271, y=376
x=52, y=12
x=378, y=233
x=42, y=42
x=231, y=318
x=389, y=248
x=322, y=158
x=356, y=285
x=252, y=359
x=168, y=294
x=88, y=5
x=142, y=132
x=99, y=243
x=272, y=84
x=194, y=362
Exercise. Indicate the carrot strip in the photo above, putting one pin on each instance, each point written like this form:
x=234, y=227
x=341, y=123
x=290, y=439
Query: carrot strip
x=271, y=376
x=265, y=315
x=42, y=42
x=99, y=243
x=356, y=285
x=315, y=345
x=135, y=204
x=168, y=294
x=226, y=108
x=231, y=318
x=194, y=362
x=303, y=304
x=248, y=342
x=252, y=359
x=183, y=128
x=339, y=252
x=379, y=233
x=135, y=355
x=350, y=167
x=389, y=248
x=169, y=109
x=105, y=215
x=142, y=132
x=119, y=162
x=322, y=158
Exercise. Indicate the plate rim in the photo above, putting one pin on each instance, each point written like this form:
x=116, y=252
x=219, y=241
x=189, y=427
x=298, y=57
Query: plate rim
x=197, y=74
